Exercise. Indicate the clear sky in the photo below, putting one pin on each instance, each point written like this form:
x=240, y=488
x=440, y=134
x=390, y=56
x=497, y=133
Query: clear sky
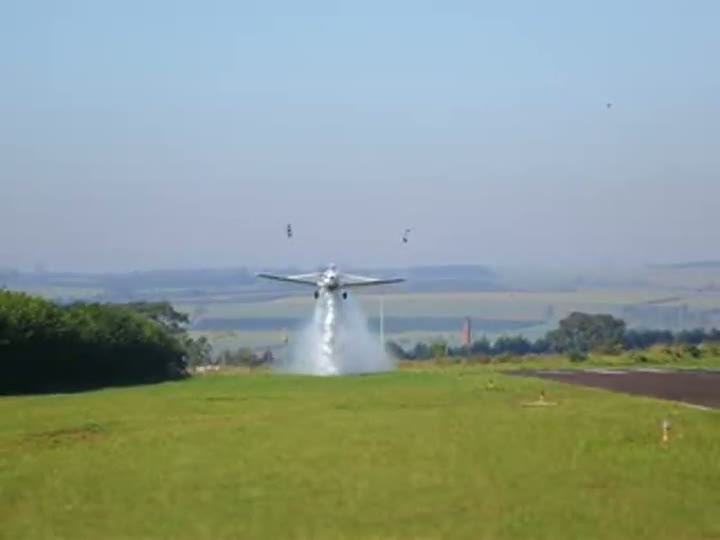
x=167, y=133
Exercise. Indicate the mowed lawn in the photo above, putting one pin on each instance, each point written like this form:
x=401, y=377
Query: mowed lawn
x=411, y=454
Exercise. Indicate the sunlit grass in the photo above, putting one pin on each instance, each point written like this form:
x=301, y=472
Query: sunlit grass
x=411, y=454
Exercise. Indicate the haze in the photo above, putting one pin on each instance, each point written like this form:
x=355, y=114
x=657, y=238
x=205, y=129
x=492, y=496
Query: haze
x=140, y=135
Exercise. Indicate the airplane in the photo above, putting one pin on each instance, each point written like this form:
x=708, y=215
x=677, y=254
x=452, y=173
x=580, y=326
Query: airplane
x=331, y=280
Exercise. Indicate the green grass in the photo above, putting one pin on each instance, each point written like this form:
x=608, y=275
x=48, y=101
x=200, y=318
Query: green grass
x=421, y=454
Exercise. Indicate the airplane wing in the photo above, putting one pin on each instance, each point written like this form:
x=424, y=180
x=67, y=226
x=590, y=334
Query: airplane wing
x=300, y=279
x=362, y=281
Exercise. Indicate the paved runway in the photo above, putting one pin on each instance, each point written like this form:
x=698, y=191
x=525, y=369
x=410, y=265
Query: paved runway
x=695, y=386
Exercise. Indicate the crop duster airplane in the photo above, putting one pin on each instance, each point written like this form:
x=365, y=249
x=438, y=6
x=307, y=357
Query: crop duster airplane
x=331, y=280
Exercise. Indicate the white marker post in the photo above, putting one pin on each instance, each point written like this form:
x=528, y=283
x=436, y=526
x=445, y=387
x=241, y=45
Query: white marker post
x=666, y=431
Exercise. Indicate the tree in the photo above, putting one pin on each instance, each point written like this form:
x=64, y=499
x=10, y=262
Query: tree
x=438, y=348
x=395, y=350
x=641, y=339
x=582, y=332
x=199, y=351
x=422, y=351
x=516, y=345
x=45, y=346
x=245, y=356
x=690, y=337
x=481, y=346
x=267, y=358
x=163, y=313
x=540, y=346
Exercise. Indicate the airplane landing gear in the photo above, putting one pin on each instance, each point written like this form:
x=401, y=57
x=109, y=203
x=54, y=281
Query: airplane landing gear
x=344, y=295
x=316, y=294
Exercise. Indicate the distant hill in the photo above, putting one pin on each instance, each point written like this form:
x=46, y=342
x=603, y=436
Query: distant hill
x=236, y=283
x=691, y=265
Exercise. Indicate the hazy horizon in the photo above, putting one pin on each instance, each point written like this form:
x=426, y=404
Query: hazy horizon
x=180, y=135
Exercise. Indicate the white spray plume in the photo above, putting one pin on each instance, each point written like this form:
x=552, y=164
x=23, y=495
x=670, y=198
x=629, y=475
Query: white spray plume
x=336, y=342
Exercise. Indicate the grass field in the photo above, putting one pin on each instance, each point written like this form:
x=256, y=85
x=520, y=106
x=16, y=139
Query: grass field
x=422, y=453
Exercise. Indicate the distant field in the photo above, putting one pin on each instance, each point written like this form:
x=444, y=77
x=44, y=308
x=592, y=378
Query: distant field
x=518, y=305
x=80, y=293
x=416, y=454
x=257, y=317
x=433, y=315
x=687, y=277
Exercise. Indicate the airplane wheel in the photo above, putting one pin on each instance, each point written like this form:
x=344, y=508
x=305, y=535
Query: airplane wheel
x=315, y=294
x=344, y=296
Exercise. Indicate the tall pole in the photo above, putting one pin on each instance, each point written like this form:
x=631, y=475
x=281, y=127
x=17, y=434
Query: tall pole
x=382, y=324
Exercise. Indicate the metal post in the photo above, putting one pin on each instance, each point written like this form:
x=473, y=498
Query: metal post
x=382, y=324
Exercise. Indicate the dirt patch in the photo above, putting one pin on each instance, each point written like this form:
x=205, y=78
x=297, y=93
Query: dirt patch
x=698, y=387
x=72, y=435
x=225, y=398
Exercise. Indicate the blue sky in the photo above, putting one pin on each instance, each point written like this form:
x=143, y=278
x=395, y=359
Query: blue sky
x=169, y=133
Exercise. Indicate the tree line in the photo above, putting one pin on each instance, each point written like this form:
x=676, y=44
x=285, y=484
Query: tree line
x=244, y=357
x=576, y=335
x=45, y=346
x=49, y=347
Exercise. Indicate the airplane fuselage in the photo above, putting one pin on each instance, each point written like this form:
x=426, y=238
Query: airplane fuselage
x=330, y=280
